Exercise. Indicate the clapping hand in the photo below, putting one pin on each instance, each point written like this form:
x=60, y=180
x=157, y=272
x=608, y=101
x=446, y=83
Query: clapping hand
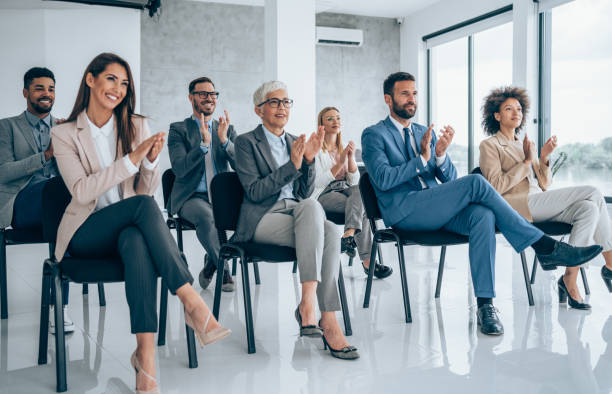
x=548, y=148
x=529, y=150
x=224, y=123
x=157, y=147
x=145, y=147
x=206, y=137
x=297, y=151
x=314, y=144
x=425, y=144
x=444, y=140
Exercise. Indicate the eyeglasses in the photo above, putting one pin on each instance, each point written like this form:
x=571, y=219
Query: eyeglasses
x=203, y=94
x=275, y=103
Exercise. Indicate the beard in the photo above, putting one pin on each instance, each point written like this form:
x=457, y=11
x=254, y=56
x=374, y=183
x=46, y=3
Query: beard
x=40, y=109
x=404, y=113
x=198, y=107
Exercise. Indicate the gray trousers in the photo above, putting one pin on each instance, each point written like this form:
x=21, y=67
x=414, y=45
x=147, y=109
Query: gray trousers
x=584, y=207
x=198, y=211
x=302, y=225
x=349, y=202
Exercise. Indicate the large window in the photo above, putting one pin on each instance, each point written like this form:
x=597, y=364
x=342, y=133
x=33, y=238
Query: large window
x=580, y=91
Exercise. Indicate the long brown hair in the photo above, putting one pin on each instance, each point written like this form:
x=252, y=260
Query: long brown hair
x=123, y=112
x=339, y=146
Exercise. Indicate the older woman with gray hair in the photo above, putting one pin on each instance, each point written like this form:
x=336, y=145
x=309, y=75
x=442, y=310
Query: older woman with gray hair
x=276, y=170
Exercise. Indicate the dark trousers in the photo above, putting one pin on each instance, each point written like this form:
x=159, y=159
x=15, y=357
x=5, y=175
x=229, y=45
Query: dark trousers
x=27, y=215
x=134, y=231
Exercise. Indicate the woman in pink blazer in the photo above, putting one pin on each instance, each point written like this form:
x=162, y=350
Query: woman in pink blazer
x=109, y=164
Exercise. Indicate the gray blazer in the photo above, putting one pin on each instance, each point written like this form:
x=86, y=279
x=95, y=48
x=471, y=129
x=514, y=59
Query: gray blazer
x=20, y=158
x=262, y=179
x=187, y=159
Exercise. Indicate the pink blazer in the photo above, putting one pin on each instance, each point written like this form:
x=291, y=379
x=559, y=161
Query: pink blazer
x=77, y=160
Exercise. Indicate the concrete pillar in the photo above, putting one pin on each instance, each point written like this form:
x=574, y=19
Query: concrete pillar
x=290, y=57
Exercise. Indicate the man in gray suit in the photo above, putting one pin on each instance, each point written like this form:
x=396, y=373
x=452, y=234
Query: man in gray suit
x=26, y=159
x=199, y=148
x=277, y=173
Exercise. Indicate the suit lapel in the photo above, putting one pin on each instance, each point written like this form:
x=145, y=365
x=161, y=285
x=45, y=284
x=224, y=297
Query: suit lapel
x=264, y=148
x=395, y=135
x=86, y=140
x=508, y=148
x=26, y=130
x=418, y=136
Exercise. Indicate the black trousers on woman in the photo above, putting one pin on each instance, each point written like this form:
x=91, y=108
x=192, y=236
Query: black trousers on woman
x=134, y=230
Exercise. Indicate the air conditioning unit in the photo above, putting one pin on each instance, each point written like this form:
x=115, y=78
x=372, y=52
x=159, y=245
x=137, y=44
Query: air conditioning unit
x=339, y=37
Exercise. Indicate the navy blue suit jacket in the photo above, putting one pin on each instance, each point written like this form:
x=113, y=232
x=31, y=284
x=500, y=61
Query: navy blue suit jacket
x=393, y=173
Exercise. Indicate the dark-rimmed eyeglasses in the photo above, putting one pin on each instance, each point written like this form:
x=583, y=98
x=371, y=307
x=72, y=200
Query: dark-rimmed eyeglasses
x=275, y=103
x=203, y=94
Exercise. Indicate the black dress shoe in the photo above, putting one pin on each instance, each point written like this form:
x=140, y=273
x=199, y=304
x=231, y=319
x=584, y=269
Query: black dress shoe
x=489, y=321
x=380, y=271
x=606, y=275
x=348, y=245
x=564, y=296
x=207, y=273
x=568, y=256
x=307, y=331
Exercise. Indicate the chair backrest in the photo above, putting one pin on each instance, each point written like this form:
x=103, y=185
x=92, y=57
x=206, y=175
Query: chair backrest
x=368, y=196
x=226, y=194
x=476, y=171
x=168, y=178
x=55, y=199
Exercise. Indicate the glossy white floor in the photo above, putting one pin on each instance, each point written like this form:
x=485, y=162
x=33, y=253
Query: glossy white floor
x=546, y=348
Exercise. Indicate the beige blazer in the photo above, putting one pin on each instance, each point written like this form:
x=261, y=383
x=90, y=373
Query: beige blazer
x=78, y=163
x=501, y=162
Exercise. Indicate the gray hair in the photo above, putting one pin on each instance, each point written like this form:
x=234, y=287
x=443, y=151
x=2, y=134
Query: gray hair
x=260, y=94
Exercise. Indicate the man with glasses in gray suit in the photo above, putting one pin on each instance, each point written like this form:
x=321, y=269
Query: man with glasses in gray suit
x=201, y=147
x=27, y=161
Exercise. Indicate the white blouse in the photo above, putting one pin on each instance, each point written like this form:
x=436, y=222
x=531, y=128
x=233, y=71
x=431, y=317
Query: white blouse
x=324, y=176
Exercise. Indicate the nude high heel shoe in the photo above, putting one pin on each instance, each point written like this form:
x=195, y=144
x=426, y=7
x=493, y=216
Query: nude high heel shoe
x=136, y=365
x=205, y=338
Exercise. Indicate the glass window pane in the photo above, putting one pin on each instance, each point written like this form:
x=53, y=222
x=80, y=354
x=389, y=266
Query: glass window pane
x=449, y=78
x=580, y=92
x=492, y=69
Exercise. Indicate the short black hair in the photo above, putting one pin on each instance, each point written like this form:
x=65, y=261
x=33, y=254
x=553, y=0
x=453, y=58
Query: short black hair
x=196, y=81
x=393, y=78
x=36, y=72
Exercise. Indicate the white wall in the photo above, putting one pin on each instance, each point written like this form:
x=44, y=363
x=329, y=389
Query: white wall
x=64, y=39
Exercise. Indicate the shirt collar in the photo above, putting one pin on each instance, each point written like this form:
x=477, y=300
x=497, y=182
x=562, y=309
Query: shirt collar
x=399, y=126
x=105, y=130
x=273, y=138
x=34, y=120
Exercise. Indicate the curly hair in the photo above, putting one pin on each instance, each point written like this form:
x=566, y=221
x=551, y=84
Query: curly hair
x=492, y=104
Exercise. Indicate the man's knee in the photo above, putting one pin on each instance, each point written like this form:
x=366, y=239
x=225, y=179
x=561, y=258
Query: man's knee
x=482, y=217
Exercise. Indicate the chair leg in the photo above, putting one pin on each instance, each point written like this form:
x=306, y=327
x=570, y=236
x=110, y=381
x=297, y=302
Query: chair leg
x=248, y=312
x=101, y=295
x=402, y=264
x=3, y=280
x=294, y=270
x=380, y=258
x=440, y=271
x=191, y=349
x=368, y=290
x=179, y=235
x=60, y=340
x=534, y=269
x=163, y=314
x=43, y=329
x=234, y=263
x=85, y=289
x=348, y=331
x=526, y=277
x=256, y=271
x=218, y=286
x=585, y=281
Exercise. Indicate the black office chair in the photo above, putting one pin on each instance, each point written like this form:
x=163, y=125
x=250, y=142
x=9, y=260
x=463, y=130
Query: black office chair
x=550, y=228
x=179, y=224
x=79, y=270
x=402, y=238
x=227, y=196
x=10, y=237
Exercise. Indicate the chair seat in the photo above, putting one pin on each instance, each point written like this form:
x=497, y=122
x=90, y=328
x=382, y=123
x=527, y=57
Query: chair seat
x=15, y=237
x=267, y=252
x=336, y=217
x=554, y=228
x=431, y=238
x=92, y=270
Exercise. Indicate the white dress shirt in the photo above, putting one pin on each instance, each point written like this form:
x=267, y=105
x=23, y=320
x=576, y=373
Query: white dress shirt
x=105, y=141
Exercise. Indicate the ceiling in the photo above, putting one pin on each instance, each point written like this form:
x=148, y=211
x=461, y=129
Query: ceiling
x=384, y=8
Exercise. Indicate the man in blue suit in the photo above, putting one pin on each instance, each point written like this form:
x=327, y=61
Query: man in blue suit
x=406, y=162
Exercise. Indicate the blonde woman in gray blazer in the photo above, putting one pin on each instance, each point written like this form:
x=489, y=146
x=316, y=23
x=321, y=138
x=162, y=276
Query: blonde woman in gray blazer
x=337, y=189
x=109, y=164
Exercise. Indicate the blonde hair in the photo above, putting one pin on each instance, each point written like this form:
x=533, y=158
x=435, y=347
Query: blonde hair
x=339, y=146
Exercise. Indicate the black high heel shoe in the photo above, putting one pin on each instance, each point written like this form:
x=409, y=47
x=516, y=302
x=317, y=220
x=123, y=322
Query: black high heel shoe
x=564, y=296
x=606, y=275
x=307, y=331
x=348, y=246
x=346, y=353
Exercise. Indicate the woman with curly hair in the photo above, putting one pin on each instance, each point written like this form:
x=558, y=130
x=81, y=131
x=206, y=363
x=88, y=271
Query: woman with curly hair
x=512, y=166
